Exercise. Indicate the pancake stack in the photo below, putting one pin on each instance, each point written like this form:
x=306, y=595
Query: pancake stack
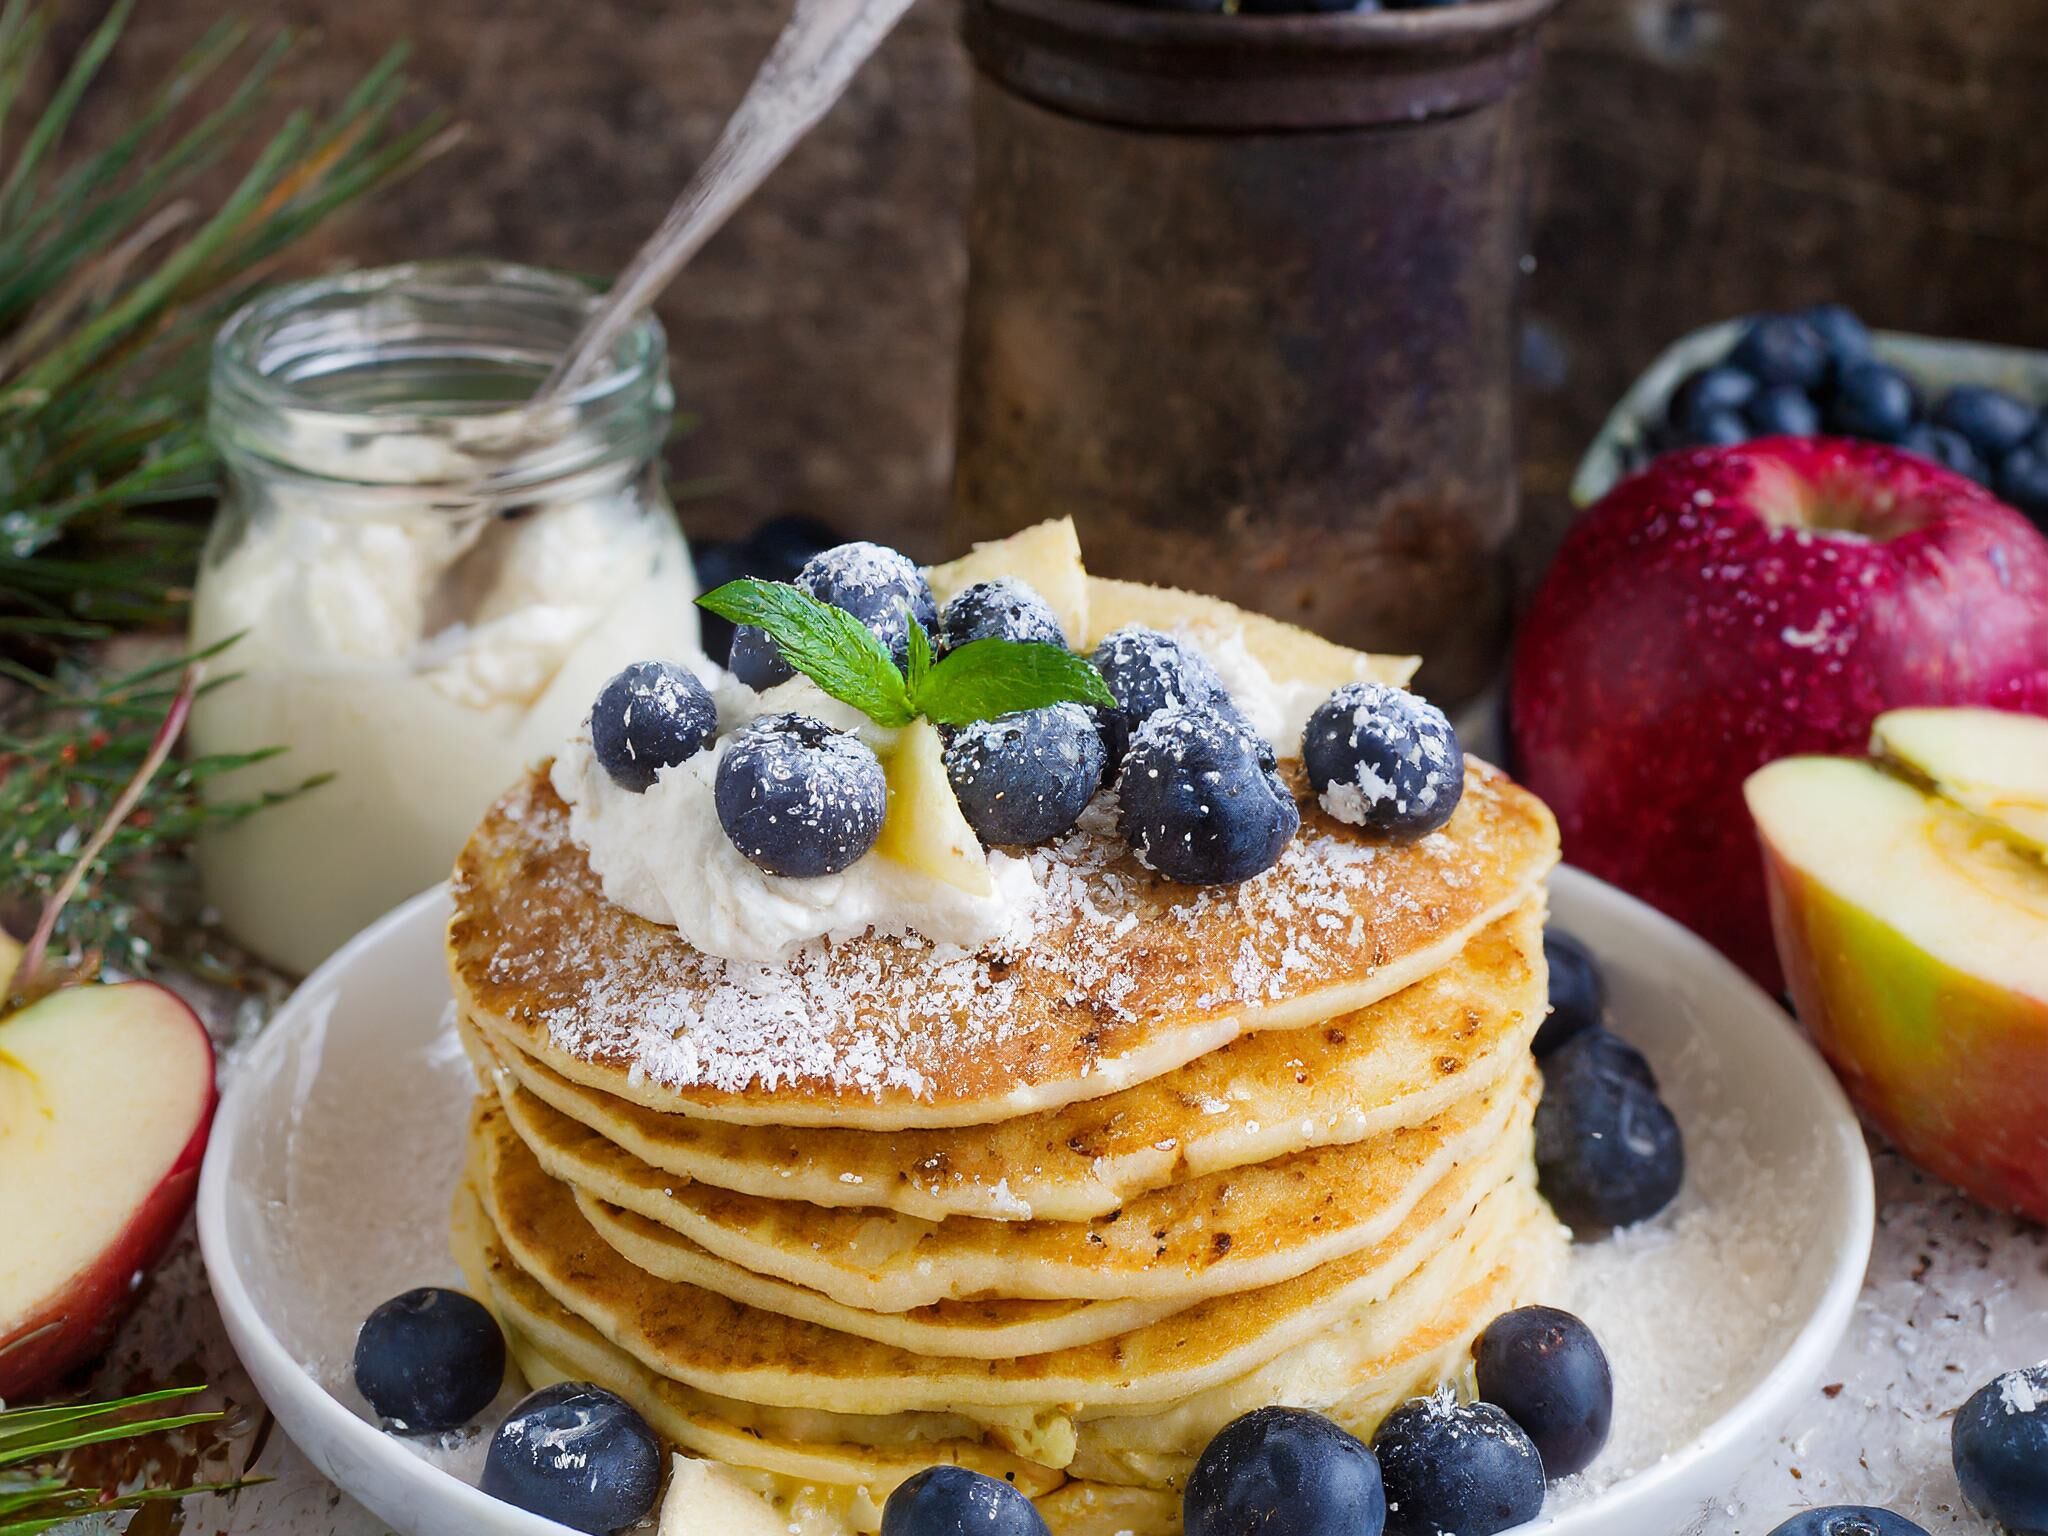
x=1057, y=1214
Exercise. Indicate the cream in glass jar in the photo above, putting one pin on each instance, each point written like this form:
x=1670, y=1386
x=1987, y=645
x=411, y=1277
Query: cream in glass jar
x=421, y=582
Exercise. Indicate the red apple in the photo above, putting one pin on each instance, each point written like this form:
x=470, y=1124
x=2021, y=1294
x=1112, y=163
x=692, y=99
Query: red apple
x=1731, y=606
x=106, y=1095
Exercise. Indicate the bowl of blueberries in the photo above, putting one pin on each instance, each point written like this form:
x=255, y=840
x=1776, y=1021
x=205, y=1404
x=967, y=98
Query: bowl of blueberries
x=1971, y=407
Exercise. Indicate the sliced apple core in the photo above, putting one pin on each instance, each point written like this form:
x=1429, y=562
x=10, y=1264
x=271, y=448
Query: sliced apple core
x=1845, y=503
x=924, y=828
x=1989, y=762
x=103, y=1091
x=1938, y=877
x=1046, y=558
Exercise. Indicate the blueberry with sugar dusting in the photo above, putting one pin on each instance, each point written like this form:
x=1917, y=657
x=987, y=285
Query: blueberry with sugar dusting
x=431, y=1359
x=1003, y=609
x=1456, y=1469
x=952, y=1501
x=1148, y=670
x=1200, y=798
x=1578, y=992
x=1609, y=1152
x=1782, y=349
x=1284, y=1472
x=2000, y=1445
x=1544, y=1369
x=1384, y=759
x=1992, y=421
x=877, y=585
x=1024, y=779
x=798, y=798
x=578, y=1455
x=652, y=716
x=1848, y=1520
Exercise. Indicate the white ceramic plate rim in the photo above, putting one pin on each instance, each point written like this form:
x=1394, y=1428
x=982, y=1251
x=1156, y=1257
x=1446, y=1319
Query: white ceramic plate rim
x=337, y=1440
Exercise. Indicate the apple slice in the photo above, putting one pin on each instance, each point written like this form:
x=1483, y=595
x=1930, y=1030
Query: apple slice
x=10, y=957
x=706, y=1496
x=1046, y=558
x=1985, y=760
x=1914, y=937
x=106, y=1095
x=924, y=828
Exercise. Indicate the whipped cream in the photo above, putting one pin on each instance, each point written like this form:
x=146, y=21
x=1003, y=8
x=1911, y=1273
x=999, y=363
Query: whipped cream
x=1278, y=710
x=663, y=854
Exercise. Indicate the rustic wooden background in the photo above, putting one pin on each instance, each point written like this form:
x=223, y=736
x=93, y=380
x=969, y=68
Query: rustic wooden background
x=1695, y=158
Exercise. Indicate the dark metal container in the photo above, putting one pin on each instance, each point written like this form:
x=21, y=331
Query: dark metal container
x=1242, y=300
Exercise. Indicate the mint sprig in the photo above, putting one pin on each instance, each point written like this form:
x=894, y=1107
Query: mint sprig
x=982, y=680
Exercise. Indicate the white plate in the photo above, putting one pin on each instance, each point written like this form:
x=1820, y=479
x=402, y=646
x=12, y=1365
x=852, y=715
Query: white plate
x=339, y=1140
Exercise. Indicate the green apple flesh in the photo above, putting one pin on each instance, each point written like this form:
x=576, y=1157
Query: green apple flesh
x=106, y=1094
x=1985, y=760
x=1914, y=937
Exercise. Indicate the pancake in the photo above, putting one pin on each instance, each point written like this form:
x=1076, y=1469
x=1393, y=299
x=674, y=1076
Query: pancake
x=1263, y=1096
x=1232, y=1231
x=709, y=1342
x=1123, y=977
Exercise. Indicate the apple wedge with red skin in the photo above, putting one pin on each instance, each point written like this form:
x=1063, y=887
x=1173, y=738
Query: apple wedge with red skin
x=1915, y=942
x=106, y=1098
x=1730, y=606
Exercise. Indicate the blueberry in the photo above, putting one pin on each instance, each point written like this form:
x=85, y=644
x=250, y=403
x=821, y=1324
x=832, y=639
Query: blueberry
x=1003, y=609
x=431, y=1359
x=1946, y=447
x=1707, y=393
x=1026, y=778
x=1578, y=993
x=1201, y=800
x=1544, y=1369
x=799, y=798
x=2023, y=479
x=1608, y=1150
x=578, y=1455
x=1782, y=349
x=1846, y=337
x=1385, y=759
x=1873, y=400
x=651, y=716
x=1848, y=1520
x=2000, y=1444
x=952, y=1501
x=1146, y=671
x=878, y=586
x=1456, y=1469
x=1284, y=1472
x=1720, y=429
x=1783, y=410
x=775, y=551
x=1993, y=421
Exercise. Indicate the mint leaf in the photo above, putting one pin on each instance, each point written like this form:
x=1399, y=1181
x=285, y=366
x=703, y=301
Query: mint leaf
x=828, y=645
x=919, y=657
x=986, y=679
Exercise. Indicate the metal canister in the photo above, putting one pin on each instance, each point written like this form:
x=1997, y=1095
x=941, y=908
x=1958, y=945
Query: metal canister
x=1242, y=300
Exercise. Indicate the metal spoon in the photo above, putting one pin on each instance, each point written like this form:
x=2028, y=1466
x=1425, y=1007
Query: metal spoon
x=816, y=57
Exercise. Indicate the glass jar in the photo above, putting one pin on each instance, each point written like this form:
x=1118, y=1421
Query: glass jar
x=419, y=580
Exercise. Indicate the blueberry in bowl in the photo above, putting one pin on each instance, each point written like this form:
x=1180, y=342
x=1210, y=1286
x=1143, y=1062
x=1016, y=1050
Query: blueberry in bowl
x=952, y=1501
x=1609, y=1152
x=431, y=1359
x=1456, y=1469
x=1544, y=1369
x=1709, y=395
x=1946, y=447
x=1384, y=759
x=1782, y=349
x=1990, y=420
x=1873, y=400
x=1025, y=779
x=1200, y=798
x=1848, y=1520
x=1578, y=992
x=797, y=797
x=578, y=1455
x=1284, y=1472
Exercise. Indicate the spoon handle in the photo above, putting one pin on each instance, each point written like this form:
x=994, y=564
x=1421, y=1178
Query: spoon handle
x=809, y=68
